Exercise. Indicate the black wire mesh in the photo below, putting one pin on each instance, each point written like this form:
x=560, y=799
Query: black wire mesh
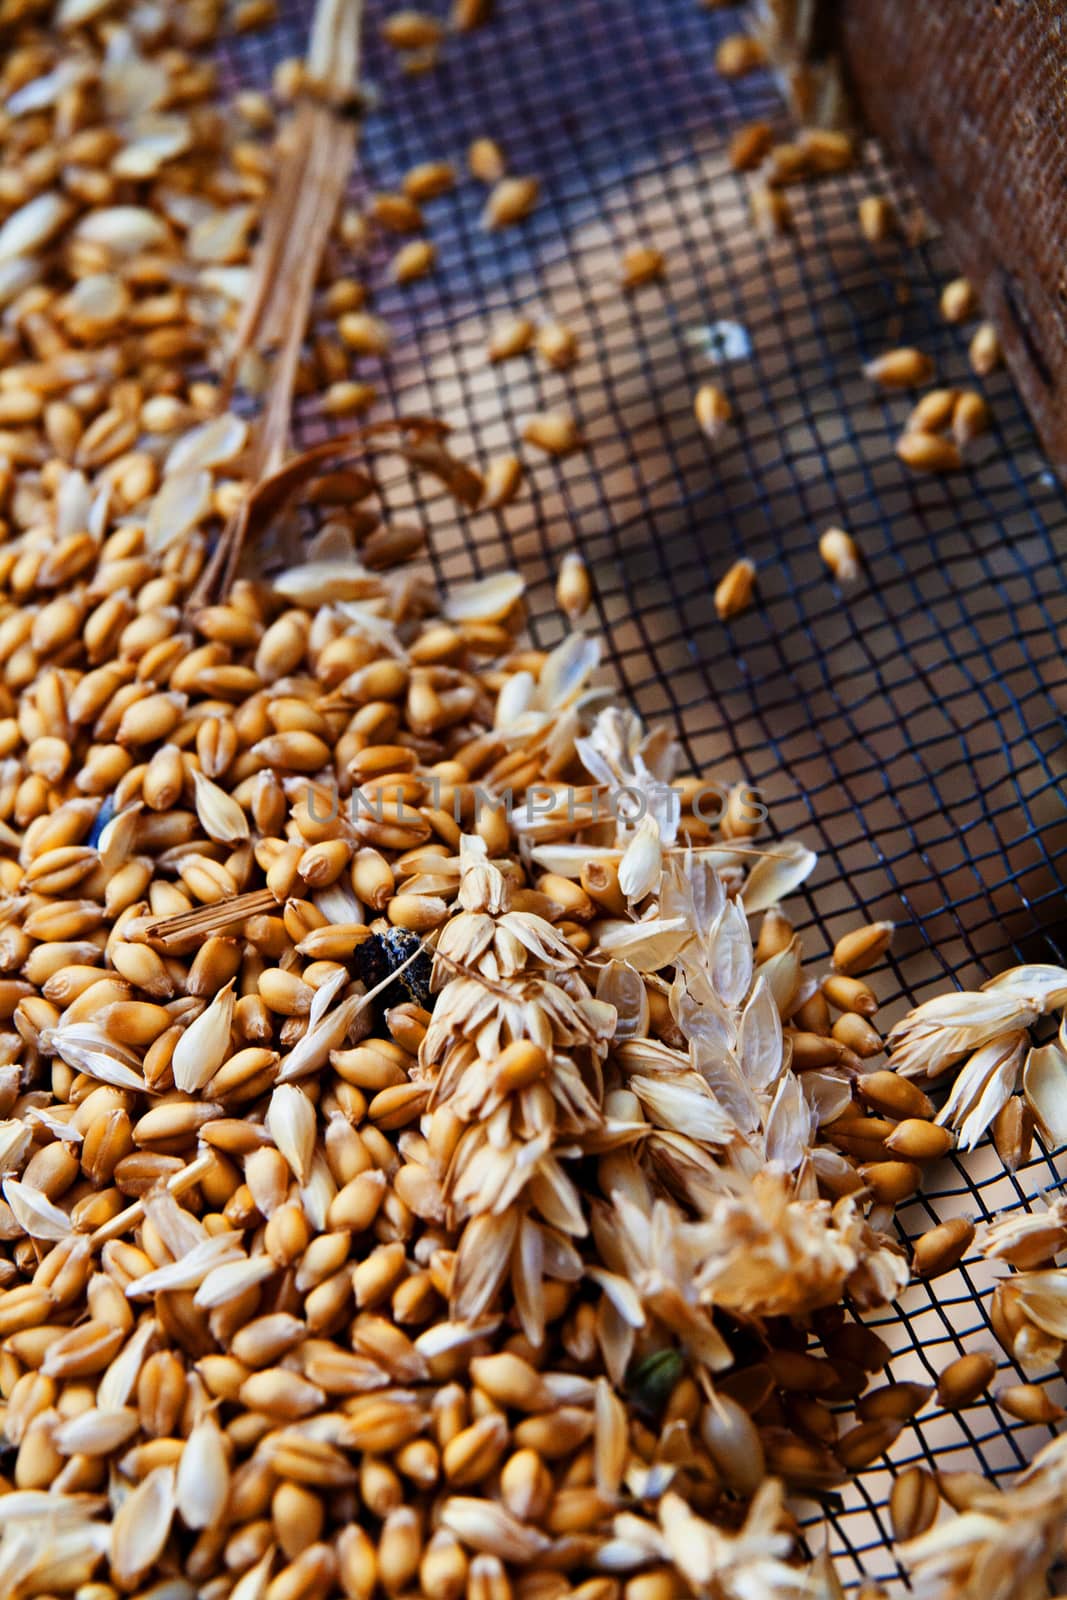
x=909, y=728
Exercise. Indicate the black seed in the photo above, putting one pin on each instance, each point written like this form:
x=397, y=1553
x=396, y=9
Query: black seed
x=651, y=1382
x=383, y=953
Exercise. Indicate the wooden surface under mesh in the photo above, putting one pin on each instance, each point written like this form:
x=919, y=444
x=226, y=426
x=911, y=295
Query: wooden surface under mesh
x=972, y=101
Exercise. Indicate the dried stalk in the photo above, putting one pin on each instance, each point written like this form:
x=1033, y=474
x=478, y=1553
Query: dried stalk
x=318, y=160
x=204, y=921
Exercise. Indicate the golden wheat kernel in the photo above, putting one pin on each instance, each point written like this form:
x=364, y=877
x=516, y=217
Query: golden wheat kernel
x=785, y=164
x=738, y=54
x=557, y=344
x=414, y=260
x=429, y=180
x=510, y=200
x=964, y=1379
x=640, y=265
x=734, y=591
x=958, y=300
x=857, y=1035
x=485, y=160
x=771, y=213
x=861, y=947
x=984, y=351
x=397, y=213
x=554, y=432
x=749, y=145
x=928, y=452
x=503, y=480
x=1030, y=1402
x=512, y=337
x=712, y=410
x=914, y=1502
x=343, y=294
x=876, y=218
x=917, y=1139
x=573, y=588
x=411, y=30
x=970, y=417
x=903, y=368
x=933, y=413
x=364, y=333
x=940, y=1248
x=828, y=149
x=840, y=553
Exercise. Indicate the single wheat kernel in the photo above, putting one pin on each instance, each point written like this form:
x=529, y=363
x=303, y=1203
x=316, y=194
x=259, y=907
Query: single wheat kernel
x=749, y=145
x=712, y=410
x=876, y=218
x=414, y=260
x=861, y=948
x=914, y=1502
x=970, y=417
x=557, y=344
x=643, y=264
x=429, y=180
x=348, y=398
x=510, y=200
x=958, y=300
x=964, y=1379
x=554, y=432
x=942, y=1247
x=928, y=452
x=735, y=589
x=411, y=30
x=899, y=369
x=738, y=54
x=503, y=480
x=984, y=352
x=485, y=160
x=771, y=213
x=510, y=338
x=573, y=588
x=933, y=412
x=840, y=553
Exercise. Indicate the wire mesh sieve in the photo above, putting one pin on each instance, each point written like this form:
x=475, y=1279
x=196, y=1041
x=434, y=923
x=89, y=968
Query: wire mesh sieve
x=911, y=728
